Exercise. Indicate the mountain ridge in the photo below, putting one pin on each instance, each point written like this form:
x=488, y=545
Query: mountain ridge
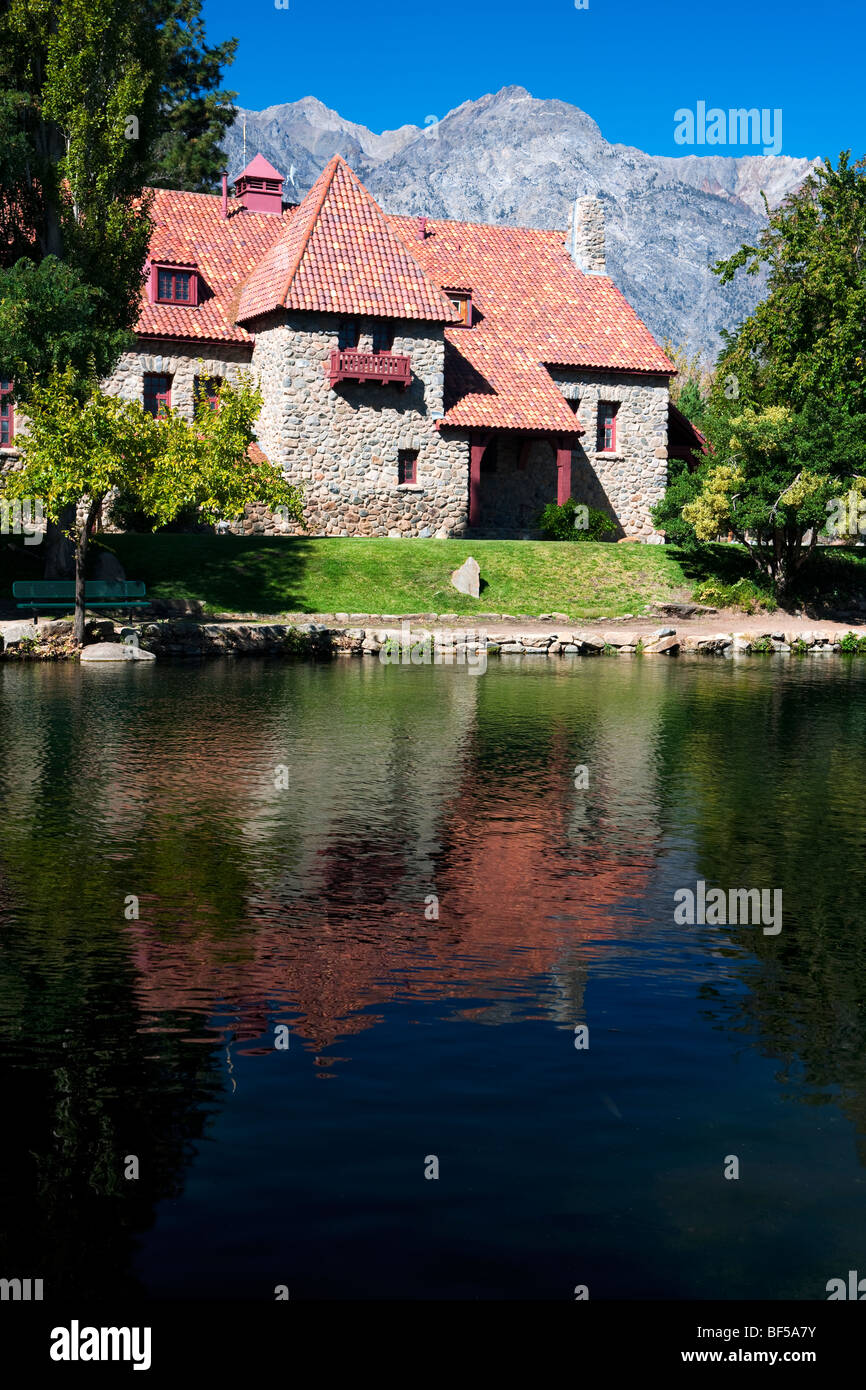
x=510, y=158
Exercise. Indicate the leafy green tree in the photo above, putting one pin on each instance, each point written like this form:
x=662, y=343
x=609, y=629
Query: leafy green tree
x=690, y=388
x=692, y=403
x=786, y=416
x=773, y=479
x=50, y=318
x=97, y=97
x=194, y=112
x=806, y=339
x=80, y=451
x=78, y=82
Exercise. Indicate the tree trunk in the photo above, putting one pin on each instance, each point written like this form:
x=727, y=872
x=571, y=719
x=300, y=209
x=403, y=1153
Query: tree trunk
x=82, y=536
x=80, y=560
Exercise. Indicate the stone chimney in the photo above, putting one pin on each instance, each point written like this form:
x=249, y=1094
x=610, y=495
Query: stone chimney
x=586, y=236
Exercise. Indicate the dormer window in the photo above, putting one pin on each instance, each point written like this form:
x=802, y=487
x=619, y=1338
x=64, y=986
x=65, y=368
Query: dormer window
x=174, y=284
x=462, y=301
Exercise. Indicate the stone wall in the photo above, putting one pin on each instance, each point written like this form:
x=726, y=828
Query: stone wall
x=410, y=644
x=183, y=362
x=342, y=444
x=627, y=482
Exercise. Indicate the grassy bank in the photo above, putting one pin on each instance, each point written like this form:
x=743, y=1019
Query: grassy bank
x=335, y=575
x=272, y=576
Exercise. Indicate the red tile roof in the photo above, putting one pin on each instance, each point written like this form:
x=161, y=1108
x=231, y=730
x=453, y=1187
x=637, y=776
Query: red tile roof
x=338, y=252
x=532, y=307
x=189, y=229
x=340, y=255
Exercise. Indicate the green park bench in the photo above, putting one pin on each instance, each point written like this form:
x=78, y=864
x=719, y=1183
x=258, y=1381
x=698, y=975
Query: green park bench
x=39, y=594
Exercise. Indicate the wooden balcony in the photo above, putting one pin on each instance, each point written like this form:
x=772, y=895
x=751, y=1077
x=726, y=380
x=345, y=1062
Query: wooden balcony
x=386, y=367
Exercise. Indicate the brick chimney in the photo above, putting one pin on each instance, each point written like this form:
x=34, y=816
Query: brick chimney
x=585, y=242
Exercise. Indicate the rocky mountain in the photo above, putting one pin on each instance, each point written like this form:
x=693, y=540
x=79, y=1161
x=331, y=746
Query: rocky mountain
x=511, y=158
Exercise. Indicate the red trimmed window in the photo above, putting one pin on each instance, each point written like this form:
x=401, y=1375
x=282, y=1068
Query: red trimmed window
x=174, y=284
x=208, y=386
x=607, y=427
x=407, y=466
x=173, y=287
x=7, y=412
x=383, y=338
x=157, y=393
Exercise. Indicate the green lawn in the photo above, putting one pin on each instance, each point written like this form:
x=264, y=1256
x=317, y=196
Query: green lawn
x=335, y=575
x=270, y=576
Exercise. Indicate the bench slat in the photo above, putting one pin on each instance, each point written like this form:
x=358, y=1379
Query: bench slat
x=46, y=589
x=114, y=603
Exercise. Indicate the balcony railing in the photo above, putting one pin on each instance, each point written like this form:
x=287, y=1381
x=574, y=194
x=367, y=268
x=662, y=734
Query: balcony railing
x=351, y=365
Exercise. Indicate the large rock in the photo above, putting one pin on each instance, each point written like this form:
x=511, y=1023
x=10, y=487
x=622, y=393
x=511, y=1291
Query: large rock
x=11, y=633
x=115, y=651
x=664, y=646
x=682, y=610
x=467, y=579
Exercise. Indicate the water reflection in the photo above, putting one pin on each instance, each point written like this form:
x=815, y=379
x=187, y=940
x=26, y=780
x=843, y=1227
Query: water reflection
x=432, y=865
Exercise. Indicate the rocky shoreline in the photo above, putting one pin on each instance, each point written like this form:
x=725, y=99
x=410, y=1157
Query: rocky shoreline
x=409, y=641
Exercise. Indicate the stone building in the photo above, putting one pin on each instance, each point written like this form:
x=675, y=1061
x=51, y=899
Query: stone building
x=420, y=377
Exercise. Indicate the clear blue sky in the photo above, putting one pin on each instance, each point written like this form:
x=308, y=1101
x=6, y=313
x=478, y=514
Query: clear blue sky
x=630, y=65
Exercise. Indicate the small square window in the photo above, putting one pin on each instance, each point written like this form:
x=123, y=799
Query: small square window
x=407, y=466
x=606, y=442
x=174, y=286
x=463, y=304
x=157, y=393
x=349, y=335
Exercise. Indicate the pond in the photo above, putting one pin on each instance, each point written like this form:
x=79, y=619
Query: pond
x=366, y=980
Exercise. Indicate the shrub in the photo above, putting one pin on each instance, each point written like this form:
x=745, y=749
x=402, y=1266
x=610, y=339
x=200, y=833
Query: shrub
x=744, y=594
x=574, y=522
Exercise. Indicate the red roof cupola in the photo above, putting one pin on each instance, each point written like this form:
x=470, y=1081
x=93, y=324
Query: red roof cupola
x=259, y=188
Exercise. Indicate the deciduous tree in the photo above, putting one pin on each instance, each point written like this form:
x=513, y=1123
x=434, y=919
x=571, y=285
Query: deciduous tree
x=79, y=451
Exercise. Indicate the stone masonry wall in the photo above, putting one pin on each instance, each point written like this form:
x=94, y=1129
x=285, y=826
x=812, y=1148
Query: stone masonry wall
x=627, y=482
x=183, y=362
x=341, y=444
